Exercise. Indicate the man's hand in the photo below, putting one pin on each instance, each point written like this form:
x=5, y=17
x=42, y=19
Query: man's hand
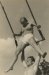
x=45, y=53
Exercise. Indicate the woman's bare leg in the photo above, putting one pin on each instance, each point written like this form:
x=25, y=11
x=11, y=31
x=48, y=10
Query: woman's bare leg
x=19, y=48
x=35, y=46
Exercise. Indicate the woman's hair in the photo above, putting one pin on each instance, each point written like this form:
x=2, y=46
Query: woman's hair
x=24, y=21
x=32, y=58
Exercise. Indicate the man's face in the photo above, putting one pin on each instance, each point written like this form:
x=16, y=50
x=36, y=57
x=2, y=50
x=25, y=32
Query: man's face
x=29, y=62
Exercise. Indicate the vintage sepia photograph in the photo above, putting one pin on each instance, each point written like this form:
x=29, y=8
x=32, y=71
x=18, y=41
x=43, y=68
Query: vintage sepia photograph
x=24, y=37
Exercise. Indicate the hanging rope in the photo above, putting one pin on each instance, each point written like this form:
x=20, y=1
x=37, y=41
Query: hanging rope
x=9, y=23
x=38, y=27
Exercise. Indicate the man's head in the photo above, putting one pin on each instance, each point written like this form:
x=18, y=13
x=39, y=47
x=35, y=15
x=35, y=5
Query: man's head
x=30, y=60
x=24, y=21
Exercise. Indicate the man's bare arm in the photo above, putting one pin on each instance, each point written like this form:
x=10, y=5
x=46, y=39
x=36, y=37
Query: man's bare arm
x=36, y=64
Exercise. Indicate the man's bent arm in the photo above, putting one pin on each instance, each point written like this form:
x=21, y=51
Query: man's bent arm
x=36, y=64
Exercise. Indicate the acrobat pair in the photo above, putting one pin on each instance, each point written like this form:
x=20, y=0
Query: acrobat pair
x=27, y=38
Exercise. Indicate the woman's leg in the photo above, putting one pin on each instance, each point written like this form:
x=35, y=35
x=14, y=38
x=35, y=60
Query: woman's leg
x=20, y=47
x=35, y=46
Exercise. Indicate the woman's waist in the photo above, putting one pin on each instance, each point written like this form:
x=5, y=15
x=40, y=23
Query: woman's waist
x=28, y=35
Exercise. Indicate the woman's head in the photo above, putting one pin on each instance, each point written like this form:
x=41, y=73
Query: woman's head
x=30, y=60
x=24, y=21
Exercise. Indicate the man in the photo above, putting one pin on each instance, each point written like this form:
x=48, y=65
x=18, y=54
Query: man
x=31, y=65
x=26, y=38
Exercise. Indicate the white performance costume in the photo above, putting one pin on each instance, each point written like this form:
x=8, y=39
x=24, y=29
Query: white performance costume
x=24, y=39
x=27, y=37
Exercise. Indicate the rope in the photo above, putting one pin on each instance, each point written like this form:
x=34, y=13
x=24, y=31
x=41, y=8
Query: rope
x=9, y=23
x=40, y=32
